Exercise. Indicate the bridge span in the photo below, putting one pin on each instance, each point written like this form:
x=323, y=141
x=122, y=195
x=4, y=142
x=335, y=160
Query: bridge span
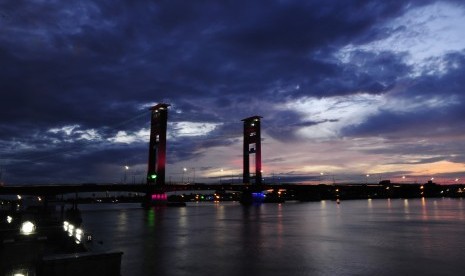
x=44, y=190
x=301, y=192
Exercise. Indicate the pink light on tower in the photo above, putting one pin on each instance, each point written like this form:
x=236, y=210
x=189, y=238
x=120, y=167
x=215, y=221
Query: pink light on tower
x=159, y=197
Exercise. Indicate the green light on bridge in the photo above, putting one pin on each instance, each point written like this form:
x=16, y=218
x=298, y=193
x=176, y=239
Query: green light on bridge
x=152, y=176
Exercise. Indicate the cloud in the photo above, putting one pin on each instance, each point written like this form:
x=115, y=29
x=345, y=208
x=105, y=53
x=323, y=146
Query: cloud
x=123, y=137
x=424, y=35
x=191, y=128
x=72, y=133
x=333, y=114
x=343, y=85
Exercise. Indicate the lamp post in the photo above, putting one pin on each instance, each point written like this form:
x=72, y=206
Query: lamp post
x=221, y=174
x=126, y=168
x=367, y=178
x=183, y=171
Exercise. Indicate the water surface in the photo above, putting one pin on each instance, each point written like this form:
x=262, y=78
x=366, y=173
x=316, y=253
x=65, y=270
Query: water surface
x=359, y=237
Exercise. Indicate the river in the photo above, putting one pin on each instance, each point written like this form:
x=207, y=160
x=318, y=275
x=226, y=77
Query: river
x=358, y=237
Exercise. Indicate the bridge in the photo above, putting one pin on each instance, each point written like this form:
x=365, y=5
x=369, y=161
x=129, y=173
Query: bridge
x=298, y=192
x=52, y=190
x=156, y=188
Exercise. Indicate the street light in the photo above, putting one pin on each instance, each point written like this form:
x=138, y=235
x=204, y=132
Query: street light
x=221, y=174
x=183, y=171
x=126, y=168
x=27, y=228
x=367, y=178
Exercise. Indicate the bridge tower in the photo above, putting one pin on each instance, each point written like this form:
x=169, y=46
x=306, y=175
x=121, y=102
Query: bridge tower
x=252, y=146
x=157, y=146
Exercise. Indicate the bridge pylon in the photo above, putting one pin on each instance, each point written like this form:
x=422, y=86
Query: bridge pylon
x=157, y=145
x=252, y=146
x=157, y=155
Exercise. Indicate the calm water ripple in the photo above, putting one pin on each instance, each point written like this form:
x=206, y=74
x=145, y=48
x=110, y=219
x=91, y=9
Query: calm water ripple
x=360, y=237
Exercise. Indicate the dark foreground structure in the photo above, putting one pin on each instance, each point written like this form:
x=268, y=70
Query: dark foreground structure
x=39, y=240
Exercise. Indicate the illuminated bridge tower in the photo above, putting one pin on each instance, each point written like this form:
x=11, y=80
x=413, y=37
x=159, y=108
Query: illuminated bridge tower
x=252, y=146
x=157, y=146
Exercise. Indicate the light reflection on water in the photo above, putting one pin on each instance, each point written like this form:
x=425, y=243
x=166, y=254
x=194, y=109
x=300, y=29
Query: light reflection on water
x=360, y=237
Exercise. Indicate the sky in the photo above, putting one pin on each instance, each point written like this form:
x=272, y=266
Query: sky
x=349, y=90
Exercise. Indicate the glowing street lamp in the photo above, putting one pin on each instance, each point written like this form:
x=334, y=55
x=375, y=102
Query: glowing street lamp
x=27, y=228
x=78, y=235
x=126, y=168
x=183, y=171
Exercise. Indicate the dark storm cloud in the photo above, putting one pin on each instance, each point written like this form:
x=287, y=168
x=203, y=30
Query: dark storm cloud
x=369, y=72
x=282, y=125
x=73, y=162
x=450, y=82
x=433, y=121
x=97, y=65
x=107, y=57
x=301, y=26
x=441, y=114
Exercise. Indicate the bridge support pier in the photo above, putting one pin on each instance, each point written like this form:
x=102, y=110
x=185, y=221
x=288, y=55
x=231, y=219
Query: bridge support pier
x=252, y=197
x=155, y=199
